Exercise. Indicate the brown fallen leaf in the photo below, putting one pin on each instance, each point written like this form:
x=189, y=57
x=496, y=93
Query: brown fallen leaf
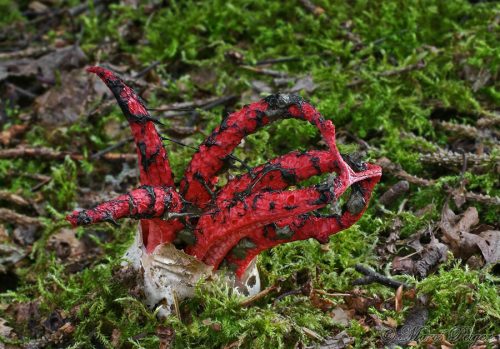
x=457, y=233
x=423, y=262
x=5, y=331
x=45, y=67
x=62, y=105
x=490, y=246
x=10, y=254
x=339, y=341
x=341, y=316
x=166, y=334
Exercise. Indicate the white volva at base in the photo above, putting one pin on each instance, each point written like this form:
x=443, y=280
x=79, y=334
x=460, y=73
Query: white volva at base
x=170, y=275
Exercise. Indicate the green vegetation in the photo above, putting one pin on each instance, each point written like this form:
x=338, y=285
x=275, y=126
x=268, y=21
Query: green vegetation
x=382, y=70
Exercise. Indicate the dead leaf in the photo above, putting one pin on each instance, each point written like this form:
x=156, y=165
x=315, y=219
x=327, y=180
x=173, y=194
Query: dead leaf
x=166, y=334
x=490, y=246
x=421, y=264
x=456, y=232
x=115, y=337
x=360, y=303
x=341, y=316
x=339, y=341
x=62, y=105
x=304, y=83
x=5, y=331
x=261, y=86
x=66, y=244
x=320, y=303
x=38, y=7
x=27, y=315
x=4, y=236
x=10, y=254
x=45, y=67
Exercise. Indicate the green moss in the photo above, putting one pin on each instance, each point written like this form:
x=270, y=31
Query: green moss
x=462, y=298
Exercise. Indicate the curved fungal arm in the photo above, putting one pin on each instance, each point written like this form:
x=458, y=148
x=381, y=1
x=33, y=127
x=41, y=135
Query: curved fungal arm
x=213, y=231
x=153, y=160
x=154, y=168
x=144, y=202
x=277, y=174
x=301, y=227
x=200, y=177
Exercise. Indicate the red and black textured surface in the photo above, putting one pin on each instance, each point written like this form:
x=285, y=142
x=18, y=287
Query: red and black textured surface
x=252, y=212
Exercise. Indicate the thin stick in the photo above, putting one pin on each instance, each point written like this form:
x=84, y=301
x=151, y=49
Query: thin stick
x=146, y=70
x=112, y=147
x=10, y=216
x=251, y=300
x=13, y=198
x=372, y=276
x=398, y=71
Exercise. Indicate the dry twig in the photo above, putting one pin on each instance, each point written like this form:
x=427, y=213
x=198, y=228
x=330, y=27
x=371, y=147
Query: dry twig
x=372, y=276
x=398, y=71
x=10, y=216
x=13, y=198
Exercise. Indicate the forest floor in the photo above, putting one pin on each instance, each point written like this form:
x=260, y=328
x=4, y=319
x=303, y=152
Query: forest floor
x=410, y=85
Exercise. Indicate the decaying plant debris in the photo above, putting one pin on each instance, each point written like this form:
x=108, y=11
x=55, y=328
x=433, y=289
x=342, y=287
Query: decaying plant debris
x=411, y=86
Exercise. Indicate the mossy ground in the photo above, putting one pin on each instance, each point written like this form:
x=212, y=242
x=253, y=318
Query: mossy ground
x=347, y=51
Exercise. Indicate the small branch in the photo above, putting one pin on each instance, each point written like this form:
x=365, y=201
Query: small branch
x=388, y=166
x=324, y=293
x=112, y=147
x=207, y=105
x=286, y=294
x=309, y=6
x=372, y=276
x=278, y=60
x=455, y=160
x=488, y=120
x=146, y=70
x=251, y=300
x=476, y=197
x=27, y=52
x=10, y=216
x=394, y=192
x=12, y=132
x=263, y=71
x=13, y=198
x=398, y=71
x=52, y=154
x=458, y=129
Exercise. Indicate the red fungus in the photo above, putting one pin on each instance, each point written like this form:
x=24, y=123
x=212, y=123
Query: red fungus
x=252, y=212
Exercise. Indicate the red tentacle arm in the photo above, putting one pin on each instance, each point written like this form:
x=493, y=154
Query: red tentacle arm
x=257, y=210
x=200, y=176
x=154, y=168
x=297, y=228
x=153, y=160
x=277, y=174
x=145, y=202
